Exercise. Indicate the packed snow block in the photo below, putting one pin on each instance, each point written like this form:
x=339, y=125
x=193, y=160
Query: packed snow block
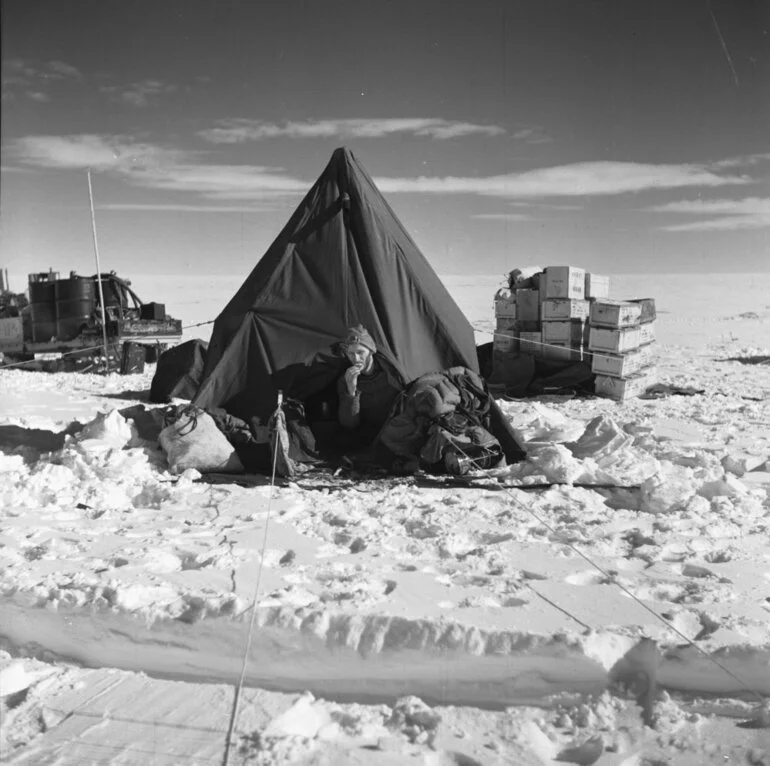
x=571, y=332
x=616, y=340
x=193, y=440
x=564, y=308
x=528, y=305
x=622, y=389
x=531, y=343
x=505, y=304
x=565, y=282
x=621, y=365
x=611, y=313
x=647, y=306
x=741, y=462
x=597, y=286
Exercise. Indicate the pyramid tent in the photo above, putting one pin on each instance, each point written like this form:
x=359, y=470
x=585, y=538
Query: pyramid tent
x=343, y=258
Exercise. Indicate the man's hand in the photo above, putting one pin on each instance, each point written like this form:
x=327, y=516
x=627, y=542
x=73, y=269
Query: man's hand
x=351, y=378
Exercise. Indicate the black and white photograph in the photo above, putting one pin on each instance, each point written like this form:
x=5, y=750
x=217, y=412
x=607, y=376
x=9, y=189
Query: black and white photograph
x=385, y=382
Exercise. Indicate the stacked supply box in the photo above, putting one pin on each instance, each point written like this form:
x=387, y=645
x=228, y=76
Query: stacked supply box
x=620, y=334
x=504, y=340
x=564, y=313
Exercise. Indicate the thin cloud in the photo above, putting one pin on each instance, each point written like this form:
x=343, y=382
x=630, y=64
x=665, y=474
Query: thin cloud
x=744, y=161
x=155, y=167
x=503, y=216
x=87, y=151
x=237, y=131
x=138, y=93
x=140, y=207
x=33, y=79
x=531, y=135
x=151, y=166
x=575, y=180
x=720, y=215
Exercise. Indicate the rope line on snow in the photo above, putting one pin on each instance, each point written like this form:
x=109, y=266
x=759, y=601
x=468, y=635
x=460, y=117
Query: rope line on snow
x=61, y=354
x=610, y=578
x=544, y=344
x=236, y=699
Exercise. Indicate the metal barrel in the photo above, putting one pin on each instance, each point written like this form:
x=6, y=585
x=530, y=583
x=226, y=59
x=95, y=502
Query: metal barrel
x=75, y=302
x=42, y=305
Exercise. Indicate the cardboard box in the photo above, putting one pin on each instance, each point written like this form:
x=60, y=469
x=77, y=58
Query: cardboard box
x=528, y=305
x=622, y=389
x=505, y=341
x=531, y=343
x=504, y=324
x=647, y=333
x=565, y=282
x=565, y=308
x=11, y=332
x=609, y=313
x=571, y=332
x=597, y=286
x=505, y=304
x=562, y=352
x=521, y=326
x=153, y=310
x=648, y=309
x=620, y=365
x=614, y=340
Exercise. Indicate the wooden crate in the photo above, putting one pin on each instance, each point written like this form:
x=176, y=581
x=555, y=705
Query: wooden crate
x=616, y=341
x=597, y=286
x=610, y=313
x=622, y=389
x=565, y=282
x=565, y=308
x=620, y=365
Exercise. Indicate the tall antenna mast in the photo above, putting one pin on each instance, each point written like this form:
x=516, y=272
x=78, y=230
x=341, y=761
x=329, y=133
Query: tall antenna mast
x=98, y=271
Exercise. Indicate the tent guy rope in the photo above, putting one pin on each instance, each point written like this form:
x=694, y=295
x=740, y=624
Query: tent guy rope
x=237, y=697
x=612, y=579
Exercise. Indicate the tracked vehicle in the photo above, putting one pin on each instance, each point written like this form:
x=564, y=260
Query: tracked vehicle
x=61, y=320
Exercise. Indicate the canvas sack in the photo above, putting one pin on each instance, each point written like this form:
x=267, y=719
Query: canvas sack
x=193, y=440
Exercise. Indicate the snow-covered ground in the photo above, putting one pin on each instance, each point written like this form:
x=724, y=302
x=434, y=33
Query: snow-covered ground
x=503, y=607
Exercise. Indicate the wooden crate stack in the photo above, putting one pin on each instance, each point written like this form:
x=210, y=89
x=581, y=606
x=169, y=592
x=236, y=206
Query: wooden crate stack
x=621, y=334
x=564, y=313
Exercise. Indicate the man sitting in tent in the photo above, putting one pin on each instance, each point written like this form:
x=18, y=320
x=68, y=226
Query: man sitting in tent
x=366, y=391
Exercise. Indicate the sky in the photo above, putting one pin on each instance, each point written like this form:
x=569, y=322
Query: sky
x=622, y=136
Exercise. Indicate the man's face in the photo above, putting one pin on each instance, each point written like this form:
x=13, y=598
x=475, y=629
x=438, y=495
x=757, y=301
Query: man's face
x=359, y=355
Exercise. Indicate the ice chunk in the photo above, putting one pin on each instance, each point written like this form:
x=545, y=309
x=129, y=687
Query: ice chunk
x=669, y=490
x=602, y=436
x=557, y=464
x=110, y=428
x=305, y=718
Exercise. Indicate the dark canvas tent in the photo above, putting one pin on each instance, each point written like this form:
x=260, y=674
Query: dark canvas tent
x=343, y=258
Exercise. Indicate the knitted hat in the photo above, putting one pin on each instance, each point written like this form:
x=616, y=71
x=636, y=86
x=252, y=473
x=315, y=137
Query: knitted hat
x=360, y=335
